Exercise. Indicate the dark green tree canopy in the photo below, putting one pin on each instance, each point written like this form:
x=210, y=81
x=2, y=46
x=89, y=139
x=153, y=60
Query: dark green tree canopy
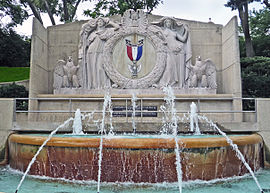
x=13, y=91
x=255, y=77
x=14, y=49
x=260, y=31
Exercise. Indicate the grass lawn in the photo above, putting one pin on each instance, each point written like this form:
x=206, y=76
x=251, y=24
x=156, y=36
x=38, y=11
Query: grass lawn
x=10, y=74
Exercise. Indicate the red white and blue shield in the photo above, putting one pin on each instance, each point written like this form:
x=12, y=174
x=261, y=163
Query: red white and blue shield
x=134, y=52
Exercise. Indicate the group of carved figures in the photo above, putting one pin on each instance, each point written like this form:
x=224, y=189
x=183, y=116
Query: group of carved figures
x=89, y=73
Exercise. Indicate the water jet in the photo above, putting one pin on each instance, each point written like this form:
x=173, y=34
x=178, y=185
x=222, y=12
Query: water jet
x=141, y=99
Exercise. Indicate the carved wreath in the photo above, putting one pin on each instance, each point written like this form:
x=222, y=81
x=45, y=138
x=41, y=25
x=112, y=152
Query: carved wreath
x=151, y=78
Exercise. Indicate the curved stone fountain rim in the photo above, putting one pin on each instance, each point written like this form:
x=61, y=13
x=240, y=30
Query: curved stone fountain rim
x=135, y=143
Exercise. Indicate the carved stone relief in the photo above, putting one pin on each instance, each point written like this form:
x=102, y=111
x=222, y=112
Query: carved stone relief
x=177, y=38
x=65, y=74
x=146, y=81
x=135, y=54
x=202, y=74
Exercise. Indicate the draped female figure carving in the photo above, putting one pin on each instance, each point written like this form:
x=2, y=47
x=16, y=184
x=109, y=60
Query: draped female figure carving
x=177, y=37
x=93, y=36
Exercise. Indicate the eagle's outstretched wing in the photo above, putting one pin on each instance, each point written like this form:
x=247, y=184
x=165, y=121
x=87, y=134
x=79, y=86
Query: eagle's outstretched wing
x=58, y=74
x=211, y=72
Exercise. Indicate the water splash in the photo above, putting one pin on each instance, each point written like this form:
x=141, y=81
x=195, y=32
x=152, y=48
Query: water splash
x=133, y=100
x=107, y=99
x=165, y=121
x=111, y=132
x=77, y=123
x=170, y=103
x=39, y=150
x=193, y=117
x=235, y=148
x=88, y=117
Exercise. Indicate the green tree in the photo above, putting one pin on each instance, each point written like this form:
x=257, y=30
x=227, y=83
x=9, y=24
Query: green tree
x=255, y=77
x=18, y=10
x=14, y=49
x=15, y=91
x=242, y=7
x=260, y=31
x=13, y=9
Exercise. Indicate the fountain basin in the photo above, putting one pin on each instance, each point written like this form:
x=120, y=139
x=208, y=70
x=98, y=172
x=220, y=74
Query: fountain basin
x=135, y=159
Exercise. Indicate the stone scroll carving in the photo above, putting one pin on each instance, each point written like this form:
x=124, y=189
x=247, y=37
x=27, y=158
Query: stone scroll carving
x=202, y=74
x=65, y=74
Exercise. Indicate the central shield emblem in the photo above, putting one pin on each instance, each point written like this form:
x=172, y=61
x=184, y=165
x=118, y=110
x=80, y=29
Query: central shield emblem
x=134, y=52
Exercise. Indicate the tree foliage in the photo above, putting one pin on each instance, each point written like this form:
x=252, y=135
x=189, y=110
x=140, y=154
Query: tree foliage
x=19, y=10
x=260, y=31
x=112, y=7
x=14, y=49
x=15, y=91
x=15, y=10
x=255, y=77
x=242, y=7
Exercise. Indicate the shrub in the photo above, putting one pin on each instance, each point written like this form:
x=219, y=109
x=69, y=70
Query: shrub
x=255, y=74
x=15, y=91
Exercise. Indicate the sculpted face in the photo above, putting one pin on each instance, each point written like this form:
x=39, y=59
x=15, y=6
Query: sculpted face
x=167, y=23
x=100, y=22
x=70, y=58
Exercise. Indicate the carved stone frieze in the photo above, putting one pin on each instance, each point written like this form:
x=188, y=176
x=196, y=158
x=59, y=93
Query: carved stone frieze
x=135, y=54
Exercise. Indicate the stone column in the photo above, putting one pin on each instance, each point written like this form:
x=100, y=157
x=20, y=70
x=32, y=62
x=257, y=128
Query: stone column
x=231, y=71
x=38, y=66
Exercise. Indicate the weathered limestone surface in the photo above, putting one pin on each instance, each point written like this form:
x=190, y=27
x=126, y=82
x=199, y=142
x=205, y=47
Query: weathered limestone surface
x=94, y=103
x=230, y=71
x=207, y=40
x=263, y=120
x=6, y=119
x=231, y=76
x=63, y=40
x=39, y=72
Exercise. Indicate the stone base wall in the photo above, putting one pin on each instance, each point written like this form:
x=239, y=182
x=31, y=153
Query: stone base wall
x=6, y=119
x=263, y=117
x=53, y=109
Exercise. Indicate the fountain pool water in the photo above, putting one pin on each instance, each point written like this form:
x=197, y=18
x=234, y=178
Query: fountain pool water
x=9, y=180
